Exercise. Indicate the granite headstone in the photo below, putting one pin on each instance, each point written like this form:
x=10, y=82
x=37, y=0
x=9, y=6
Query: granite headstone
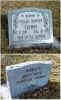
x=27, y=76
x=30, y=27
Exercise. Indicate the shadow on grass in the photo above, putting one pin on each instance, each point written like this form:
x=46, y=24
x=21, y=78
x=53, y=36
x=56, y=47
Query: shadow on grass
x=4, y=34
x=4, y=23
x=50, y=91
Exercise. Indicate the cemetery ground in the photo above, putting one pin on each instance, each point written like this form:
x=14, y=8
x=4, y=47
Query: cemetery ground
x=52, y=89
x=7, y=5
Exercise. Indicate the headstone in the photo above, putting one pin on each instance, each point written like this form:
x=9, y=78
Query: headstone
x=27, y=76
x=30, y=27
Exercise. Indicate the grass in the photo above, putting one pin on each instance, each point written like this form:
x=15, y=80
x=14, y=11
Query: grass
x=52, y=89
x=12, y=5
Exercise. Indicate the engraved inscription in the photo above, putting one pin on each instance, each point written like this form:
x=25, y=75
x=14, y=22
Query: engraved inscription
x=30, y=74
x=30, y=26
x=27, y=76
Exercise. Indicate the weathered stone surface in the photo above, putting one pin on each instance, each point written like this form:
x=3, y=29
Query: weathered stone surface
x=27, y=76
x=30, y=27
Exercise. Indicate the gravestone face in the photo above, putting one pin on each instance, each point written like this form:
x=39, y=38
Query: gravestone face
x=27, y=76
x=29, y=27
